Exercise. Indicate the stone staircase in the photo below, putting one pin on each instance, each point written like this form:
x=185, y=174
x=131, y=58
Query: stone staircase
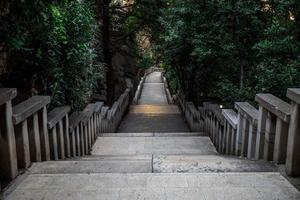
x=153, y=156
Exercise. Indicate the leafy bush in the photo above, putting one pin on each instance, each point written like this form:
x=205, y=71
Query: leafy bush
x=52, y=51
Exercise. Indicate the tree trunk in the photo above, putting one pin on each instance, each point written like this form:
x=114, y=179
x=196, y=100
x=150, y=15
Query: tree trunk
x=110, y=79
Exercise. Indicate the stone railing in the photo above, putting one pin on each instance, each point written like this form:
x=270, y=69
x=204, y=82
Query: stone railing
x=271, y=133
x=139, y=90
x=166, y=88
x=193, y=116
x=142, y=81
x=30, y=134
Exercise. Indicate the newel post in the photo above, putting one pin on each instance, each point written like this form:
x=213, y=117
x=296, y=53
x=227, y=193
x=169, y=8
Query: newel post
x=293, y=146
x=8, y=153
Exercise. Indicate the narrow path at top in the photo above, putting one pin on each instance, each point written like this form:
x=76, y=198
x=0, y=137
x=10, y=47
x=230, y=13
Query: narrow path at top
x=153, y=91
x=153, y=114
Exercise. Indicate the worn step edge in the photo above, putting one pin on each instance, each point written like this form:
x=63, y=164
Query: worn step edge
x=165, y=134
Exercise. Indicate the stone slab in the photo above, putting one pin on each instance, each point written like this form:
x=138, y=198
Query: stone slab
x=207, y=164
x=246, y=109
x=294, y=94
x=56, y=115
x=153, y=123
x=186, y=134
x=275, y=105
x=29, y=107
x=155, y=109
x=153, y=94
x=93, y=166
x=231, y=117
x=212, y=186
x=154, y=77
x=153, y=145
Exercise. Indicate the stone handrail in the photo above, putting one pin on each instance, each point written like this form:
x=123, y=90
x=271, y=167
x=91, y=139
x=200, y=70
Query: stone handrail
x=8, y=151
x=30, y=120
x=293, y=145
x=271, y=132
x=30, y=134
x=192, y=115
x=273, y=126
x=166, y=88
x=142, y=81
x=246, y=129
x=139, y=90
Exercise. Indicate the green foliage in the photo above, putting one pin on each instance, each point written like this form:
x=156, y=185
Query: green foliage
x=146, y=61
x=52, y=50
x=229, y=50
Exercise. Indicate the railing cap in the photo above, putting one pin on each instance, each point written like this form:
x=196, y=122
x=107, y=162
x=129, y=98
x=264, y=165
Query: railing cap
x=294, y=94
x=88, y=112
x=26, y=108
x=231, y=117
x=56, y=115
x=98, y=106
x=75, y=119
x=247, y=110
x=274, y=105
x=7, y=94
x=104, y=111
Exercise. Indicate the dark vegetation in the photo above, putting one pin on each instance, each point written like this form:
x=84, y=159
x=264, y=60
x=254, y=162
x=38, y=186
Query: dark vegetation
x=211, y=49
x=224, y=50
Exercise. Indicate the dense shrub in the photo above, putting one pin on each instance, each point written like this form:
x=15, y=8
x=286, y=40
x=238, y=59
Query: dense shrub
x=51, y=50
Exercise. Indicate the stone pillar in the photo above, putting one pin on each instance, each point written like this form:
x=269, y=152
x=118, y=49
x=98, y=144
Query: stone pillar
x=293, y=146
x=260, y=137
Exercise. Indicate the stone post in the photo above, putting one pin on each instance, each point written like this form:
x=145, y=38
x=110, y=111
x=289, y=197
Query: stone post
x=293, y=146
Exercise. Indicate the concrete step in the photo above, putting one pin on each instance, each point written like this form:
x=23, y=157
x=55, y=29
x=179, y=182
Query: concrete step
x=186, y=186
x=166, y=134
x=137, y=123
x=210, y=163
x=154, y=145
x=93, y=166
x=155, y=109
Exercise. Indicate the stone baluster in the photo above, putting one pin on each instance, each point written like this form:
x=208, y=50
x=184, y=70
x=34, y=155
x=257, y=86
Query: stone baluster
x=58, y=126
x=98, y=121
x=78, y=137
x=248, y=116
x=8, y=151
x=104, y=120
x=273, y=127
x=230, y=129
x=293, y=146
x=30, y=120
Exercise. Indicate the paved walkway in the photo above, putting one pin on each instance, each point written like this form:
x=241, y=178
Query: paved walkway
x=153, y=114
x=154, y=157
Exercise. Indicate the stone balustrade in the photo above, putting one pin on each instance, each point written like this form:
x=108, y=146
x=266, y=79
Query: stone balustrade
x=139, y=90
x=190, y=112
x=30, y=134
x=246, y=129
x=227, y=140
x=271, y=133
x=293, y=144
x=8, y=151
x=58, y=123
x=273, y=127
x=167, y=90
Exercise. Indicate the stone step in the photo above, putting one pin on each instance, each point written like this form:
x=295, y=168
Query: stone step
x=155, y=109
x=201, y=145
x=93, y=166
x=166, y=134
x=185, y=186
x=153, y=123
x=210, y=163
